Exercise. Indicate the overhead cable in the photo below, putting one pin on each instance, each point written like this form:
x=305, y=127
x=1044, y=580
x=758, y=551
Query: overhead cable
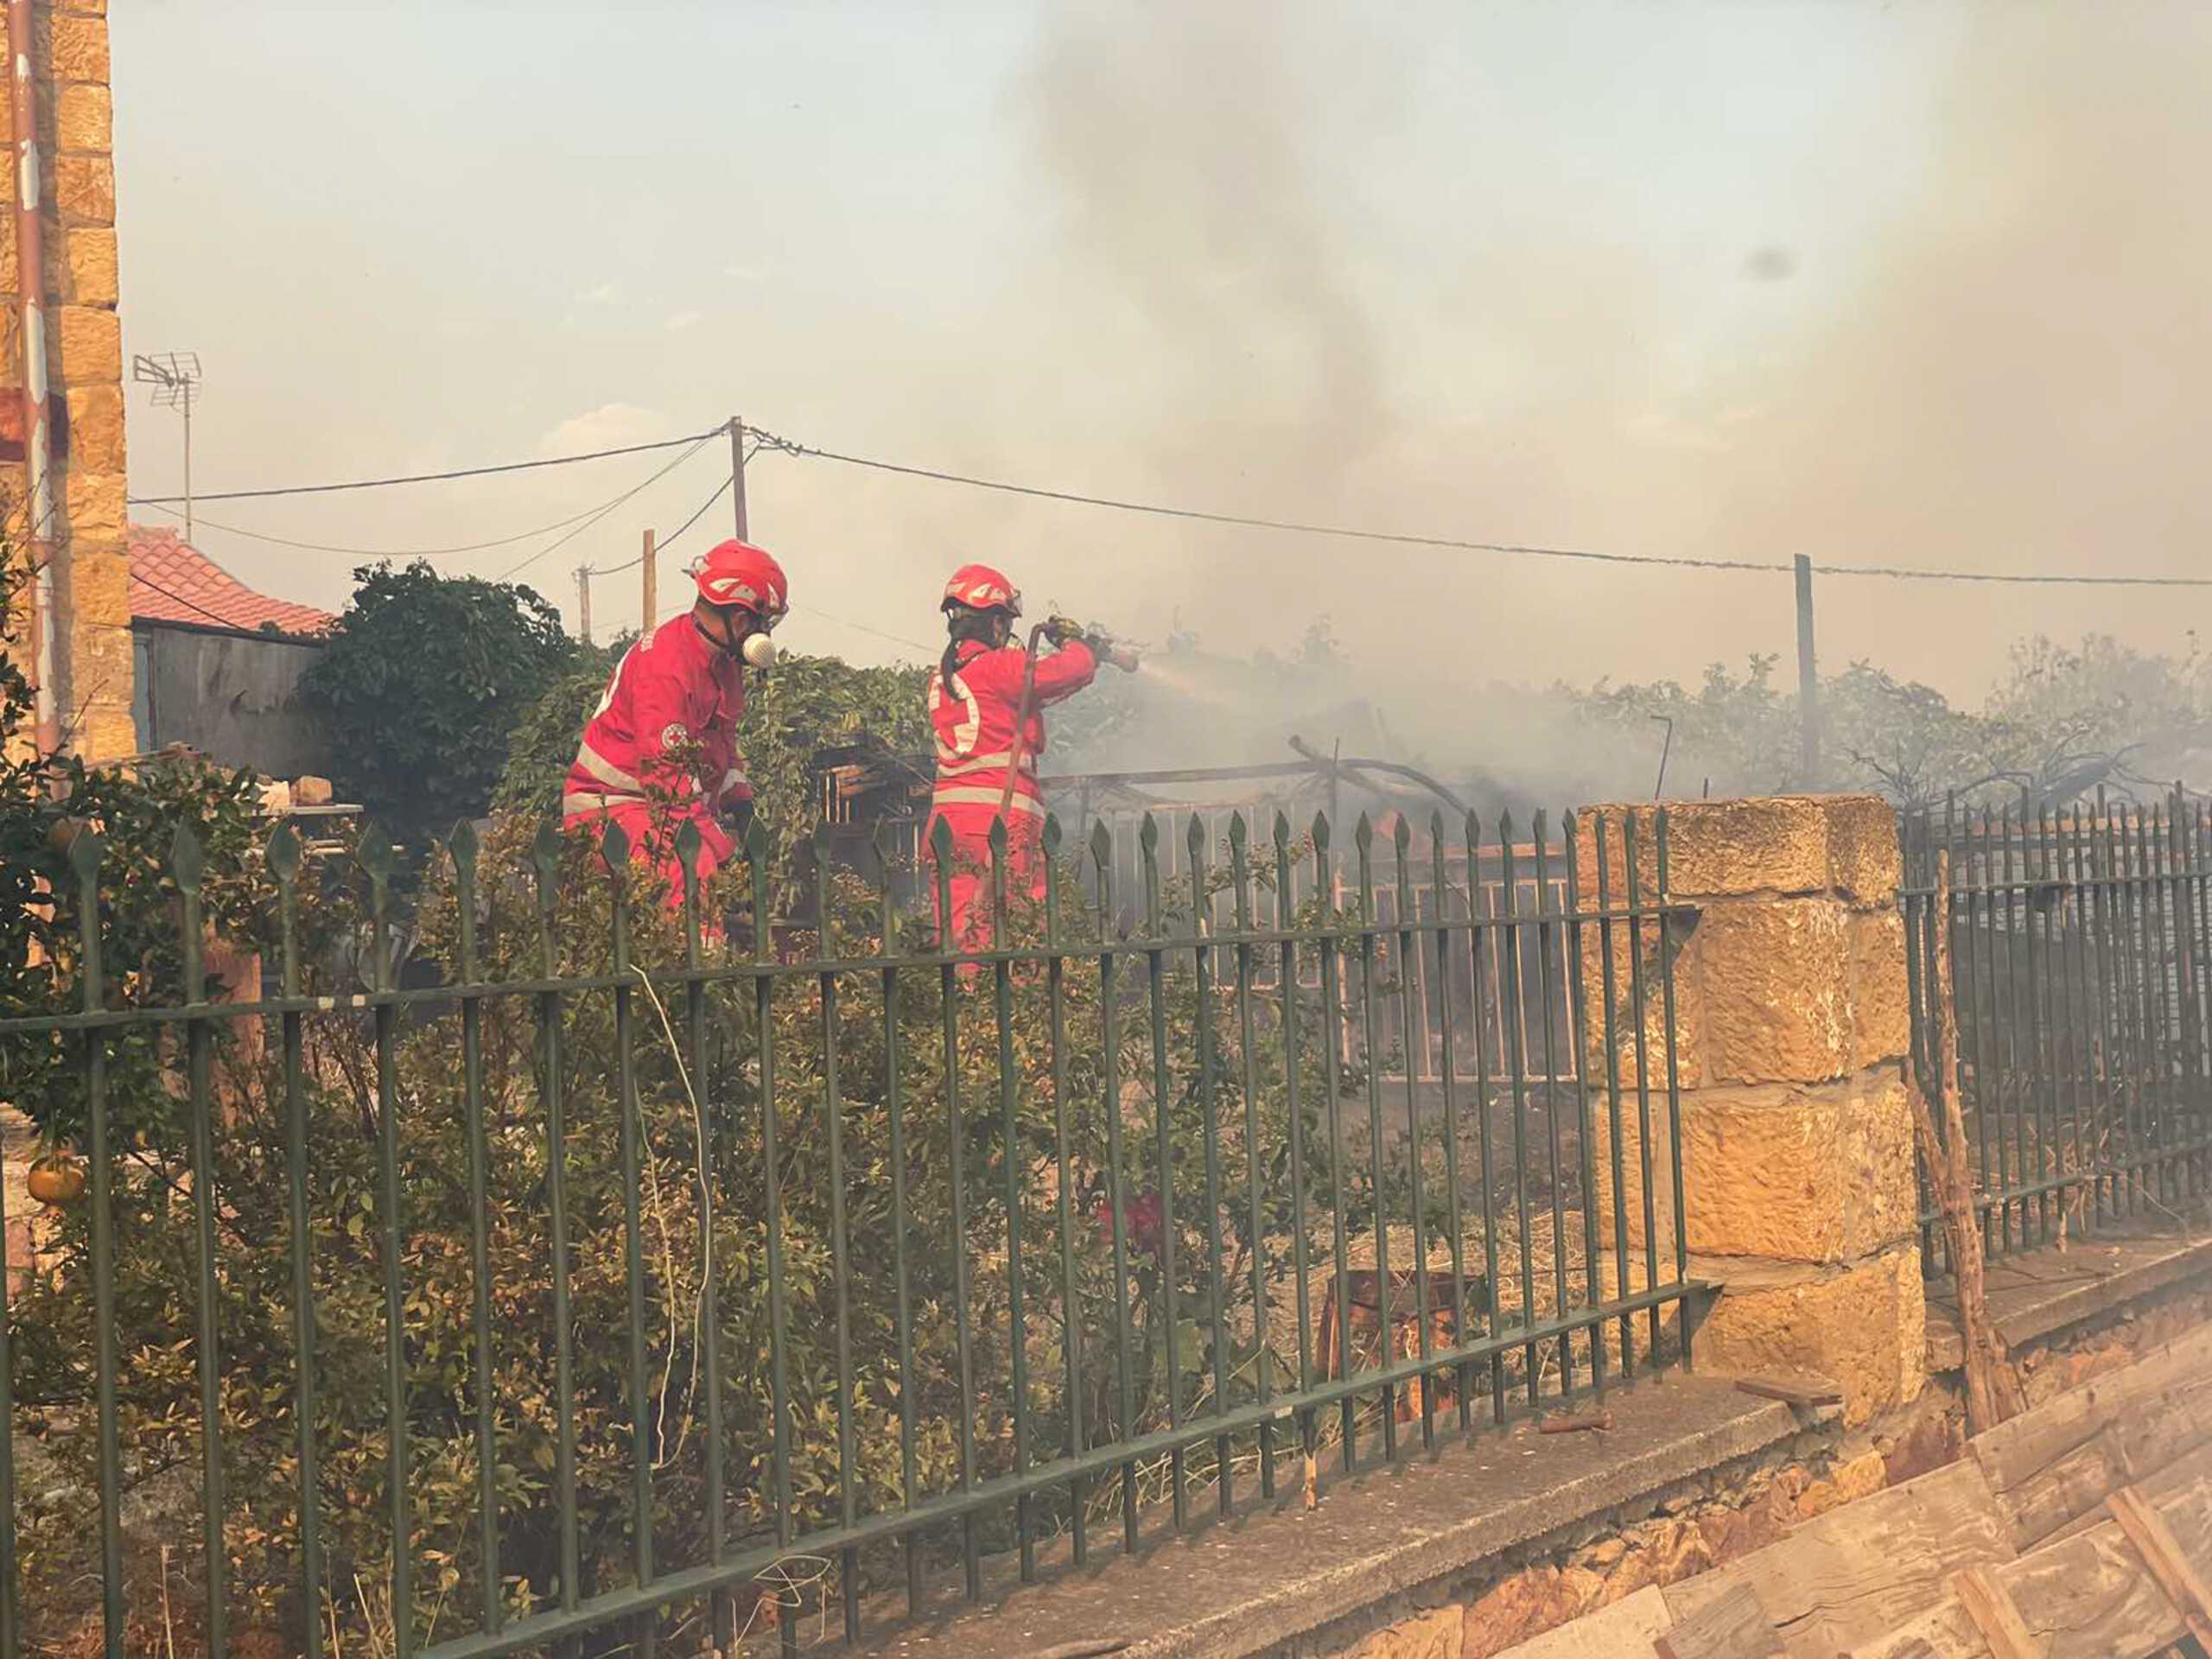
x=432, y=478
x=1353, y=532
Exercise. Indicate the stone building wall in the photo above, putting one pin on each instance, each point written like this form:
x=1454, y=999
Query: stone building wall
x=85, y=368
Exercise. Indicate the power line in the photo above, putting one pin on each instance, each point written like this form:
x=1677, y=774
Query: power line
x=1352, y=532
x=220, y=621
x=431, y=477
x=1344, y=532
x=2022, y=577
x=566, y=537
x=661, y=542
x=862, y=627
x=394, y=552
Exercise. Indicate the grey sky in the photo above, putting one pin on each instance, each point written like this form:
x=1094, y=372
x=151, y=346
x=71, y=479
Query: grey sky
x=1912, y=284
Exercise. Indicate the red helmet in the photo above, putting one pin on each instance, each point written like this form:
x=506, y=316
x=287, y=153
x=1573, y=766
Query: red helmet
x=982, y=588
x=738, y=573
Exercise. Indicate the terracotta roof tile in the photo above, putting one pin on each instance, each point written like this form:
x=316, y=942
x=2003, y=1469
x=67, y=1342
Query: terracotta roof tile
x=171, y=581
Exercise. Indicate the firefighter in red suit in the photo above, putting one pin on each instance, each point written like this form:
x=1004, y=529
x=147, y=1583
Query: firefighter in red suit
x=660, y=750
x=974, y=699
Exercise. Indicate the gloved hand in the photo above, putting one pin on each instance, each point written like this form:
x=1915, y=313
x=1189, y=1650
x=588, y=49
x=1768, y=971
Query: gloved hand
x=1061, y=629
x=736, y=816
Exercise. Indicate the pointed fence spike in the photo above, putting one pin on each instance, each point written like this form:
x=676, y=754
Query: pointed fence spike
x=1436, y=828
x=545, y=851
x=461, y=843
x=941, y=840
x=372, y=851
x=998, y=835
x=1320, y=832
x=87, y=849
x=1148, y=834
x=1474, y=829
x=1239, y=835
x=1362, y=833
x=283, y=854
x=1102, y=843
x=187, y=859
x=1282, y=831
x=1401, y=836
x=1196, y=836
x=615, y=845
x=688, y=844
x=756, y=841
x=1052, y=834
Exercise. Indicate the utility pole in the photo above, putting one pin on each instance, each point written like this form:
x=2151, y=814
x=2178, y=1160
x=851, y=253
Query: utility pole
x=1808, y=683
x=583, y=602
x=737, y=474
x=652, y=596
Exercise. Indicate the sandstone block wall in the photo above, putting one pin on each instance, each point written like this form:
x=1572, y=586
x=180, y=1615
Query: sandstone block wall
x=84, y=366
x=1790, y=1025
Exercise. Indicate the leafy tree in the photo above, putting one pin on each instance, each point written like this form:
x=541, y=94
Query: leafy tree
x=422, y=684
x=543, y=745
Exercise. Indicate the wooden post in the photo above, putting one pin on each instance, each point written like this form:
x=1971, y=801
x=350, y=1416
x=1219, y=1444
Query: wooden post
x=1808, y=684
x=1993, y=1391
x=653, y=596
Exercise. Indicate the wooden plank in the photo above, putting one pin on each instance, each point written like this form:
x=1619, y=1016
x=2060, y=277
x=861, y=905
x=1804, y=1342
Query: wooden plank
x=2165, y=1407
x=1734, y=1627
x=1860, y=1571
x=1623, y=1630
x=2053, y=1465
x=2167, y=1378
x=2089, y=1597
x=2041, y=1501
x=2085, y=1591
x=1994, y=1614
x=1943, y=1632
x=1802, y=1390
x=2154, y=1542
x=2186, y=1482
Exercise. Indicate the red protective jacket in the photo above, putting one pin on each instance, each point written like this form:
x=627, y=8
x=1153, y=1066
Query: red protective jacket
x=672, y=691
x=973, y=718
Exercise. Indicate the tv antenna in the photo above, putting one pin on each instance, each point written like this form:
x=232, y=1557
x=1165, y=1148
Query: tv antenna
x=175, y=377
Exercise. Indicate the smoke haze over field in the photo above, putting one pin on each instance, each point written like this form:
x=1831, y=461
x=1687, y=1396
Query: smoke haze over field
x=1906, y=285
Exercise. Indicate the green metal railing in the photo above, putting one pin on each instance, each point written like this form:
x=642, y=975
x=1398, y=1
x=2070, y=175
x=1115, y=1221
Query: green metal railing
x=662, y=1273
x=2057, y=973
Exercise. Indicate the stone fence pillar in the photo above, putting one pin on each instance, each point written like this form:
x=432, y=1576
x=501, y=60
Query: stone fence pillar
x=1791, y=1026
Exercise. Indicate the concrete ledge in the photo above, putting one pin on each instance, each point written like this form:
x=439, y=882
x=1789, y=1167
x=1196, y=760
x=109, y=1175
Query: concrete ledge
x=2039, y=1292
x=1250, y=1585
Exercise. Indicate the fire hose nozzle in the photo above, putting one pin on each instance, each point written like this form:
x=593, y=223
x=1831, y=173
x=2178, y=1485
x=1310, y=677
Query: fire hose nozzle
x=1119, y=652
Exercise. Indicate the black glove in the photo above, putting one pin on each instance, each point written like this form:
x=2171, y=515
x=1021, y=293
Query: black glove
x=737, y=818
x=1061, y=629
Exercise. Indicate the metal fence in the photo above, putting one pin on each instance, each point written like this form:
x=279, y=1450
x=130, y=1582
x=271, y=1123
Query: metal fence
x=2058, y=975
x=665, y=1275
